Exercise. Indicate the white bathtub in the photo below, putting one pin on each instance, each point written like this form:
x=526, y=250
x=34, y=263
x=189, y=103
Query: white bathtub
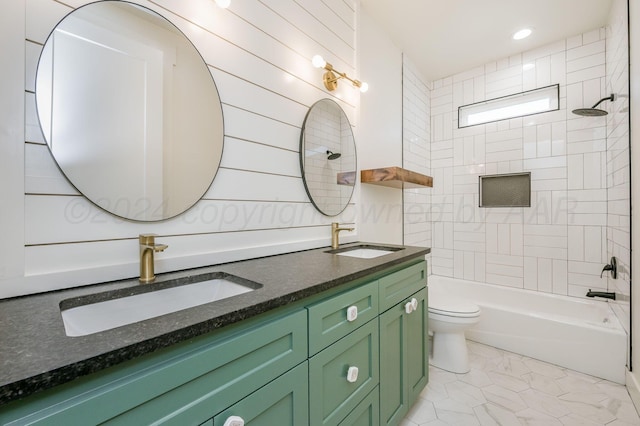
x=582, y=335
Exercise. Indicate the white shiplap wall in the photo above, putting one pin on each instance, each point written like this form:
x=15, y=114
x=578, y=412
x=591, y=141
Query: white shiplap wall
x=258, y=53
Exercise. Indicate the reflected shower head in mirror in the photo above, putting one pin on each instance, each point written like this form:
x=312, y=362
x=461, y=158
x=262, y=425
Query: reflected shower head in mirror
x=333, y=155
x=593, y=111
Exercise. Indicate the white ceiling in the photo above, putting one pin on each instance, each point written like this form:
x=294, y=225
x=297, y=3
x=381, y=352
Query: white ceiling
x=444, y=37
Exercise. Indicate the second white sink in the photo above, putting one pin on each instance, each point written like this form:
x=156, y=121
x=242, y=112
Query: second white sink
x=364, y=253
x=94, y=317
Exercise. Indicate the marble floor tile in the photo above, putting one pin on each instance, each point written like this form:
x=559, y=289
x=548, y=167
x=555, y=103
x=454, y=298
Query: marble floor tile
x=545, y=404
x=507, y=389
x=493, y=415
x=422, y=413
x=543, y=384
x=455, y=412
x=504, y=397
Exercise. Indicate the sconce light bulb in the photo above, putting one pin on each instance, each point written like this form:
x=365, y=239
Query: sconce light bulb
x=223, y=3
x=364, y=87
x=318, y=62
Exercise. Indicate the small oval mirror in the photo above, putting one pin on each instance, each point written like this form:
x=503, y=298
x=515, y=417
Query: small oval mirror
x=328, y=157
x=129, y=110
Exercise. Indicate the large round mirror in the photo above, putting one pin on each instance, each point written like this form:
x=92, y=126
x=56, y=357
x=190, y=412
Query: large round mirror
x=328, y=157
x=129, y=110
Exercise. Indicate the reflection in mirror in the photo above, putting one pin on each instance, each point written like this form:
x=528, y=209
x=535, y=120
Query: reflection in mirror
x=328, y=157
x=129, y=110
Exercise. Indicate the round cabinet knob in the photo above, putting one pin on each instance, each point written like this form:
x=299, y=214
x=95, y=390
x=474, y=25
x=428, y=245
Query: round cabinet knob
x=352, y=313
x=352, y=374
x=234, y=421
x=414, y=303
x=408, y=307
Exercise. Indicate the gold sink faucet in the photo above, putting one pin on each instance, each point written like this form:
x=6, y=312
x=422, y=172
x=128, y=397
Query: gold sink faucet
x=335, y=230
x=148, y=246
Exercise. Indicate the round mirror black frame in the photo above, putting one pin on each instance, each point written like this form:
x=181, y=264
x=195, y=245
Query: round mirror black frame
x=333, y=157
x=189, y=120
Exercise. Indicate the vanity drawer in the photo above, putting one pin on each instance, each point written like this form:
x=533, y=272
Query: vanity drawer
x=283, y=402
x=328, y=320
x=333, y=392
x=367, y=413
x=395, y=287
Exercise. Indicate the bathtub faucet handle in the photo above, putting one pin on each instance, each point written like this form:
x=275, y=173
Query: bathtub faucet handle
x=611, y=266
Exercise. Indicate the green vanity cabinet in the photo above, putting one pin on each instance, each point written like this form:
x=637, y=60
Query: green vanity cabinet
x=351, y=355
x=401, y=349
x=404, y=368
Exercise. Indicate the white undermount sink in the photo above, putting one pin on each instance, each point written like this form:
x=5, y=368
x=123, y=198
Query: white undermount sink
x=105, y=315
x=364, y=251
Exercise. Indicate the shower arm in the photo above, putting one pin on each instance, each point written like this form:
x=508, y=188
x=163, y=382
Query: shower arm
x=608, y=98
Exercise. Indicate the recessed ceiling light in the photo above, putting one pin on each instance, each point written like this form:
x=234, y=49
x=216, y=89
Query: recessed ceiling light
x=523, y=33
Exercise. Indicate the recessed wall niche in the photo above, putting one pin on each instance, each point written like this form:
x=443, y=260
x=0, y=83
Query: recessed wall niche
x=505, y=190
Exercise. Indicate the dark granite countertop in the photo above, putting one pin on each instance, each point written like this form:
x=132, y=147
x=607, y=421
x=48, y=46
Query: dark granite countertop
x=36, y=354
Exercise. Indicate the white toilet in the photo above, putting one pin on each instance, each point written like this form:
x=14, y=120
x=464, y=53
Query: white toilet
x=449, y=317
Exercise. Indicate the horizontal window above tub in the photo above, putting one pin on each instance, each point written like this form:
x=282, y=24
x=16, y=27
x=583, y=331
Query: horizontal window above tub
x=505, y=190
x=517, y=105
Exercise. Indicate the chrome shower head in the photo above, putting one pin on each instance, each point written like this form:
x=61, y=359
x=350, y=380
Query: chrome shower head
x=333, y=155
x=593, y=111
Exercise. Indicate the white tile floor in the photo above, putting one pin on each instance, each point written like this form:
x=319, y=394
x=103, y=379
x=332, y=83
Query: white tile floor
x=507, y=389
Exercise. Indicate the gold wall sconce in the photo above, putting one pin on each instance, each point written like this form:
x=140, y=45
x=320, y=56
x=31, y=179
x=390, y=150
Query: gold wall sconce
x=331, y=77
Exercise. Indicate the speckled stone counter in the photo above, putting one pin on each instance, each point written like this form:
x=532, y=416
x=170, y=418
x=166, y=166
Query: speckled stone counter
x=36, y=354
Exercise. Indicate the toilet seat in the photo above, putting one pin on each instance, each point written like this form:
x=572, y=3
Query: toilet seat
x=441, y=304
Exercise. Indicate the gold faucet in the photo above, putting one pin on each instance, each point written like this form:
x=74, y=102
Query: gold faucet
x=335, y=230
x=148, y=246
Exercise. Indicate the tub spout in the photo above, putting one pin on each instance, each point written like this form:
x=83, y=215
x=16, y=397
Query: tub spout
x=611, y=266
x=605, y=294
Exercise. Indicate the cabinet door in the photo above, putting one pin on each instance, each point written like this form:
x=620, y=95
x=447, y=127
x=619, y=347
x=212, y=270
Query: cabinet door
x=392, y=389
x=417, y=341
x=283, y=402
x=403, y=358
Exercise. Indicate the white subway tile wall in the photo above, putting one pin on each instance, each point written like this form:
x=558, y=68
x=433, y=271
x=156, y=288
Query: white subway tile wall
x=559, y=244
x=618, y=235
x=416, y=137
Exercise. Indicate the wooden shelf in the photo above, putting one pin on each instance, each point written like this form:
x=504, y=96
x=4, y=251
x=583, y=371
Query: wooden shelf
x=396, y=177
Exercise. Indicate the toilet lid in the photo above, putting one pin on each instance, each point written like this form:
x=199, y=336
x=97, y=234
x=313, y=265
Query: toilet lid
x=442, y=303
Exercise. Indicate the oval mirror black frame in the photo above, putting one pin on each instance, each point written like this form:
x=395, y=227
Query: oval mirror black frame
x=129, y=110
x=328, y=160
